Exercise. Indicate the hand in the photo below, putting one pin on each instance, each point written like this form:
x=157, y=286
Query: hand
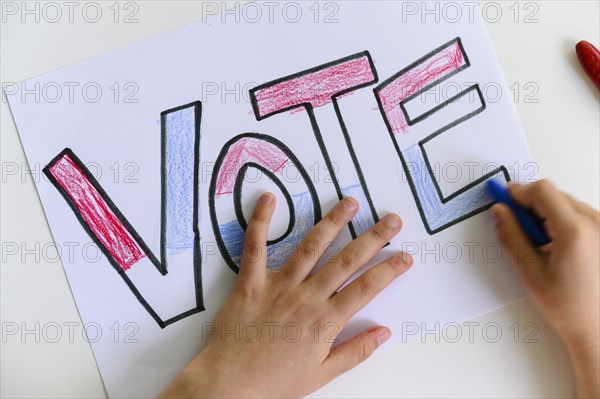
x=562, y=277
x=286, y=320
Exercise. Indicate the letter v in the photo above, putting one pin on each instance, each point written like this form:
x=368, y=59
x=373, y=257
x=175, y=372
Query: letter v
x=116, y=237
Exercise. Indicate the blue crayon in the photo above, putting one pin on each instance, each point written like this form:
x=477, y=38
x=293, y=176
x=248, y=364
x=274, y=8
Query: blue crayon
x=530, y=223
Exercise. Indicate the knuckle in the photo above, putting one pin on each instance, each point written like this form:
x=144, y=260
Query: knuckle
x=258, y=218
x=252, y=251
x=333, y=218
x=308, y=248
x=544, y=186
x=364, y=352
x=377, y=236
x=348, y=260
x=244, y=293
x=366, y=286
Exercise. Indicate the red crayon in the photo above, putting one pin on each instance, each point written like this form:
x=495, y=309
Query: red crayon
x=589, y=57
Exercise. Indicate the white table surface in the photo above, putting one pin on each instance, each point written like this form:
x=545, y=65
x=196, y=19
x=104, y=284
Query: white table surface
x=562, y=125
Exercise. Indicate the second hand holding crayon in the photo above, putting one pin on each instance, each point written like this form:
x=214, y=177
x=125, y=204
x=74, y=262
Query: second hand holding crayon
x=529, y=221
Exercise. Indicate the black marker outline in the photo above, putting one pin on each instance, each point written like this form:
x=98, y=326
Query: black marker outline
x=424, y=141
x=239, y=215
x=161, y=265
x=317, y=131
x=427, y=114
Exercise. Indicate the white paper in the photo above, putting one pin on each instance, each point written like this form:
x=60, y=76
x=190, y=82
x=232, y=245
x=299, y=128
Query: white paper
x=458, y=272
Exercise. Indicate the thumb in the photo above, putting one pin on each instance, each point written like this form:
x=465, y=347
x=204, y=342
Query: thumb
x=522, y=253
x=353, y=352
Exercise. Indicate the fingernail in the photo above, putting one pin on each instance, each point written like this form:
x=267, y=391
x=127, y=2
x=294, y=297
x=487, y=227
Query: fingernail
x=392, y=220
x=401, y=262
x=349, y=204
x=266, y=198
x=382, y=335
x=407, y=258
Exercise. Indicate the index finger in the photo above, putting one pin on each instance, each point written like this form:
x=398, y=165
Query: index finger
x=253, y=264
x=546, y=201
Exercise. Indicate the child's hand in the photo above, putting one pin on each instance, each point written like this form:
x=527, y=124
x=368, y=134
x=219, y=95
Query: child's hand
x=298, y=314
x=563, y=277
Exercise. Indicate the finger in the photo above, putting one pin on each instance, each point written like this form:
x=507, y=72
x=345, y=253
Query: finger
x=353, y=352
x=343, y=265
x=311, y=248
x=527, y=259
x=546, y=201
x=583, y=208
x=253, y=264
x=361, y=291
